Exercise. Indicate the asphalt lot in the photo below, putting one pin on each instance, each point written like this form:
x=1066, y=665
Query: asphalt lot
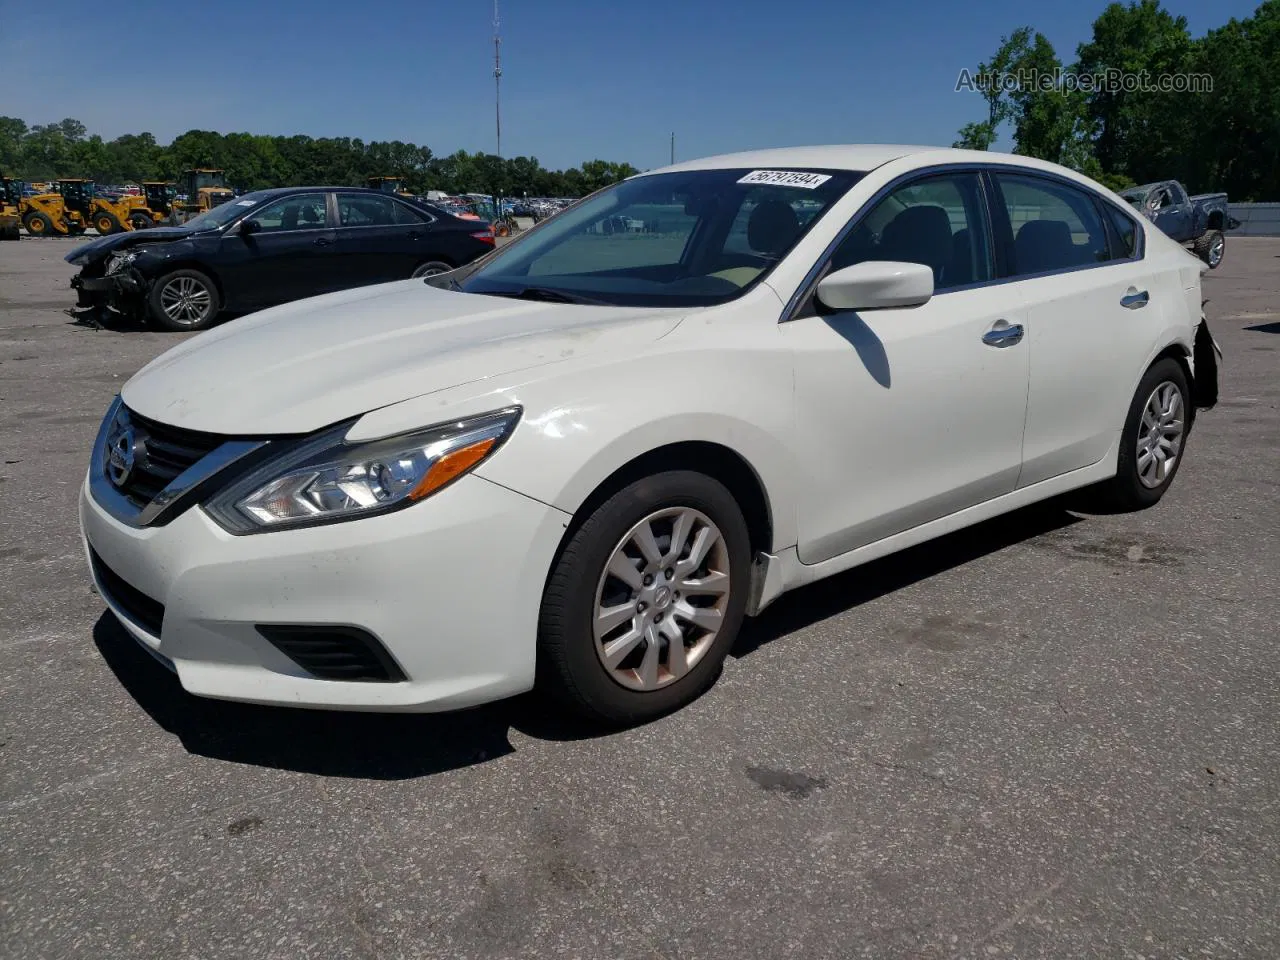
x=1054, y=735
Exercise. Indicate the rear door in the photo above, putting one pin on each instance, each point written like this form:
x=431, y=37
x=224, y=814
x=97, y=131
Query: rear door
x=379, y=239
x=289, y=256
x=1092, y=305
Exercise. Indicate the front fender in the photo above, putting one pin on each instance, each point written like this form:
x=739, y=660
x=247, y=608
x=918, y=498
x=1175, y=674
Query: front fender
x=584, y=418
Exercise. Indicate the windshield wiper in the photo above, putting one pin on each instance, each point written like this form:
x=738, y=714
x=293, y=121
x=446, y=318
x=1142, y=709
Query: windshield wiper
x=547, y=295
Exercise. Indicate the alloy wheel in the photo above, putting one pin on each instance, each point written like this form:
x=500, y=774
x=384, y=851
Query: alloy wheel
x=1160, y=434
x=661, y=599
x=185, y=300
x=1216, y=249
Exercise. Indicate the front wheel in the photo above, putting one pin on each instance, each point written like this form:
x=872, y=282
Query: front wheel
x=106, y=224
x=645, y=600
x=1211, y=248
x=1151, y=445
x=38, y=224
x=141, y=222
x=184, y=300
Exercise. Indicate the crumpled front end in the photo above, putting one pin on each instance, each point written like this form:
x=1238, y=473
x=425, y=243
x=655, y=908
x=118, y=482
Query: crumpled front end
x=112, y=284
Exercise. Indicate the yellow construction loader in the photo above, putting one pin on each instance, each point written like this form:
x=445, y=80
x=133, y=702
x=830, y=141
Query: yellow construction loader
x=205, y=188
x=10, y=209
x=104, y=214
x=44, y=213
x=388, y=185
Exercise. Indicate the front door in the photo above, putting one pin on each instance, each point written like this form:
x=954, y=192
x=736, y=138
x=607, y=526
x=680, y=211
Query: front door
x=289, y=256
x=907, y=415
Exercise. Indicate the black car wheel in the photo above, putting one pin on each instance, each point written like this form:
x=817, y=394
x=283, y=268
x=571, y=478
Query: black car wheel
x=645, y=600
x=184, y=300
x=431, y=268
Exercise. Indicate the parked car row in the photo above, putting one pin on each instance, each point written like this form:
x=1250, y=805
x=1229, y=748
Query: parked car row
x=270, y=247
x=580, y=462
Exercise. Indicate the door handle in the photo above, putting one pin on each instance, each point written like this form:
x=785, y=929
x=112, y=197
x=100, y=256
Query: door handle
x=1135, y=299
x=1005, y=336
x=322, y=241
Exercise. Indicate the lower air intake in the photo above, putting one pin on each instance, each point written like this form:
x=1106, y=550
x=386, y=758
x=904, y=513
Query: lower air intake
x=334, y=653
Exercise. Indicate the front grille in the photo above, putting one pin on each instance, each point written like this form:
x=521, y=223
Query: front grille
x=138, y=607
x=334, y=653
x=161, y=454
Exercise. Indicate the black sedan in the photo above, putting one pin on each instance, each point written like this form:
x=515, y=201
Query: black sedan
x=270, y=247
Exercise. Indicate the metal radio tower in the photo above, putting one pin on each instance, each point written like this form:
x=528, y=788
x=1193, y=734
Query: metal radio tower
x=497, y=74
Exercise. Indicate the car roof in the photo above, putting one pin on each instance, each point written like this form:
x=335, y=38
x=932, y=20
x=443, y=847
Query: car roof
x=283, y=191
x=865, y=157
x=861, y=157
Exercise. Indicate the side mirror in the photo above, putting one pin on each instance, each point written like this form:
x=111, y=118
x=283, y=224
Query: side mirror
x=877, y=285
x=249, y=226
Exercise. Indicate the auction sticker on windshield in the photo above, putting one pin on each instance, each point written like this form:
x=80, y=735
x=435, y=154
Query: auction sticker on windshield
x=787, y=178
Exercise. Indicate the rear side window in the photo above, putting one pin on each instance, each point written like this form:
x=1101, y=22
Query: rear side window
x=1055, y=226
x=366, y=210
x=1124, y=233
x=404, y=214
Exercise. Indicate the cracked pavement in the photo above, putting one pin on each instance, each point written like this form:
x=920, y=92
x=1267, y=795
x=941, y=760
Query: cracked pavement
x=1053, y=735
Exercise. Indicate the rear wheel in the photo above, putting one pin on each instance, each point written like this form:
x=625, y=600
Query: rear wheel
x=431, y=268
x=1211, y=248
x=140, y=221
x=106, y=223
x=1154, y=436
x=38, y=224
x=645, y=600
x=184, y=300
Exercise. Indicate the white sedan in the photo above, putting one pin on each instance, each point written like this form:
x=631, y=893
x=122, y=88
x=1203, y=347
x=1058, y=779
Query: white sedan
x=580, y=462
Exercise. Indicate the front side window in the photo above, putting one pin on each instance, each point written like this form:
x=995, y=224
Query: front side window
x=1054, y=226
x=939, y=222
x=694, y=238
x=303, y=212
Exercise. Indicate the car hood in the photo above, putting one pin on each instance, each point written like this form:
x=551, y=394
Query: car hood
x=308, y=364
x=97, y=249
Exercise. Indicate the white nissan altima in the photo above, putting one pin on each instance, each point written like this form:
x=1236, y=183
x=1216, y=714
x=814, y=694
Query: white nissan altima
x=581, y=461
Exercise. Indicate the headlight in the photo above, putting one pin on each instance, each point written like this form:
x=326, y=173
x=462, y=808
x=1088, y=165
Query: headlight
x=118, y=261
x=324, y=480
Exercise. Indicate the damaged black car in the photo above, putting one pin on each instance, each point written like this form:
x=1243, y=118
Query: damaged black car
x=271, y=247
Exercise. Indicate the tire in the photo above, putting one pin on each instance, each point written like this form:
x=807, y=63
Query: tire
x=141, y=222
x=38, y=224
x=1128, y=490
x=107, y=224
x=1211, y=248
x=571, y=665
x=431, y=268
x=501, y=229
x=191, y=299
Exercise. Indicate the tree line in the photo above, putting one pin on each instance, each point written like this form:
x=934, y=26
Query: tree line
x=252, y=162
x=1227, y=138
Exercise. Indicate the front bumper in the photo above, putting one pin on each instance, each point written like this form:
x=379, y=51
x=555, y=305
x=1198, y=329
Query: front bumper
x=123, y=292
x=450, y=587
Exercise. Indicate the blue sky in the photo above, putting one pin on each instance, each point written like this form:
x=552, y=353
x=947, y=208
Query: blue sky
x=581, y=79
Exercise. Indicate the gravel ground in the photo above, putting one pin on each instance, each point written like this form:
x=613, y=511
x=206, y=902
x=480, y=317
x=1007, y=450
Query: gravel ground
x=1053, y=735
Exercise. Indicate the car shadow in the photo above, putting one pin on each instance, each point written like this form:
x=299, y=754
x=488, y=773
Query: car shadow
x=865, y=343
x=376, y=746
x=1265, y=327
x=826, y=598
x=405, y=746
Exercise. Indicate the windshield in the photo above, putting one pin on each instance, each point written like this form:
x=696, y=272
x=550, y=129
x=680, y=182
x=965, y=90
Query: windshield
x=222, y=215
x=210, y=178
x=1136, y=197
x=695, y=238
